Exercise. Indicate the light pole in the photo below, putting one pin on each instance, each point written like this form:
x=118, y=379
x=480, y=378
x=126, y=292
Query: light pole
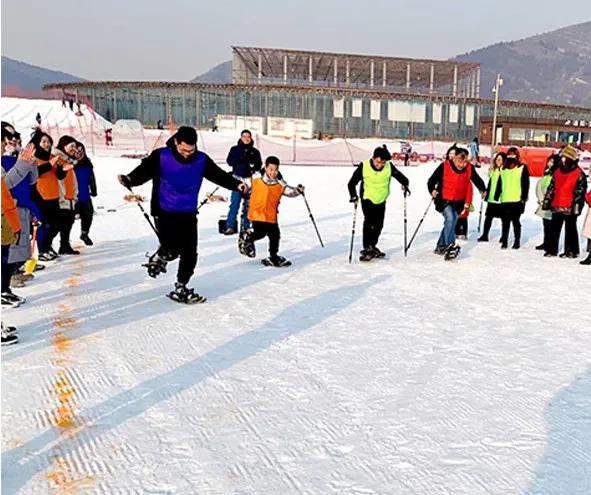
x=495, y=90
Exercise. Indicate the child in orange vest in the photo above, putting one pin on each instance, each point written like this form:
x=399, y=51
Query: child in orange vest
x=267, y=190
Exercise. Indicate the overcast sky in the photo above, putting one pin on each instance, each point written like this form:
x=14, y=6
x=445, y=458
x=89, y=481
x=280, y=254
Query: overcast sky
x=180, y=39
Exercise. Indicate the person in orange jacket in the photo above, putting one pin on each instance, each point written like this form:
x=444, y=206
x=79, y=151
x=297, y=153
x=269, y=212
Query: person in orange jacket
x=11, y=229
x=266, y=193
x=50, y=171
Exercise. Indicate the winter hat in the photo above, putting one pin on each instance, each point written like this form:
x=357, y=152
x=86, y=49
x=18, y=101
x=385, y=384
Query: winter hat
x=569, y=152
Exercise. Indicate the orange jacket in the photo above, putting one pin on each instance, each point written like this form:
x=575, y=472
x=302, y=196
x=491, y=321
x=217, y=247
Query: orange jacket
x=264, y=201
x=47, y=184
x=9, y=208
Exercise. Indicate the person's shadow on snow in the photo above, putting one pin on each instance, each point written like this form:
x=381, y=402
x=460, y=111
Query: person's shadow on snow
x=21, y=464
x=565, y=467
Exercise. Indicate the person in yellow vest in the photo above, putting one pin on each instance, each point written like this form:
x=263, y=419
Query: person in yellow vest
x=266, y=193
x=514, y=185
x=66, y=150
x=552, y=164
x=375, y=175
x=492, y=198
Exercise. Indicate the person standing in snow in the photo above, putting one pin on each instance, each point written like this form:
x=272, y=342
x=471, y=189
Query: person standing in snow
x=493, y=195
x=66, y=150
x=587, y=230
x=552, y=165
x=448, y=185
x=177, y=172
x=267, y=190
x=375, y=175
x=565, y=197
x=406, y=150
x=475, y=152
x=245, y=160
x=514, y=185
x=86, y=191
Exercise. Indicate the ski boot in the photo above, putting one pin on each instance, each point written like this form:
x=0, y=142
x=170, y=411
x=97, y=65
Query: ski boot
x=451, y=252
x=586, y=261
x=440, y=250
x=155, y=265
x=246, y=246
x=366, y=255
x=85, y=239
x=182, y=294
x=9, y=336
x=276, y=261
x=377, y=253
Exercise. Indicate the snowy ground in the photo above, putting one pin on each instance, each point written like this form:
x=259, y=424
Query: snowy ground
x=403, y=376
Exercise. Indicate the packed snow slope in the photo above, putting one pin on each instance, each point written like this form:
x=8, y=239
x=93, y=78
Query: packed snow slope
x=400, y=376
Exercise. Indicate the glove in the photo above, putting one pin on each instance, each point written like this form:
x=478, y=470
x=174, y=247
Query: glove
x=354, y=199
x=124, y=181
x=300, y=188
x=406, y=191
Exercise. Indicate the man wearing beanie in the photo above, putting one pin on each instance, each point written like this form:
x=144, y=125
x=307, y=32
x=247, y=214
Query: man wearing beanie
x=565, y=198
x=177, y=172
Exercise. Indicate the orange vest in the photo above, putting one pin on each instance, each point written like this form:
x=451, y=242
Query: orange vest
x=9, y=208
x=70, y=185
x=565, y=183
x=47, y=184
x=264, y=201
x=455, y=185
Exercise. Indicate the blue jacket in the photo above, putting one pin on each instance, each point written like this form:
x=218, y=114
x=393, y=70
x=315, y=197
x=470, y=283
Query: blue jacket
x=86, y=180
x=20, y=178
x=244, y=159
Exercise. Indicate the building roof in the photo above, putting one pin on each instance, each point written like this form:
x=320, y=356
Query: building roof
x=323, y=64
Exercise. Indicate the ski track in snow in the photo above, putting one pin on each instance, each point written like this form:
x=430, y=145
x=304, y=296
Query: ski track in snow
x=410, y=376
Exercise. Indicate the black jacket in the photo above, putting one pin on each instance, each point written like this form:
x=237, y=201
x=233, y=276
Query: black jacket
x=244, y=159
x=358, y=177
x=149, y=169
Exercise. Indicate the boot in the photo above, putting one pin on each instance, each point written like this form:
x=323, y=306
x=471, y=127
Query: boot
x=85, y=239
x=587, y=260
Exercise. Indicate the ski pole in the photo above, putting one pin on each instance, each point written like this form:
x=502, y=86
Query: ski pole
x=353, y=231
x=405, y=226
x=480, y=215
x=420, y=223
x=146, y=216
x=312, y=218
x=206, y=200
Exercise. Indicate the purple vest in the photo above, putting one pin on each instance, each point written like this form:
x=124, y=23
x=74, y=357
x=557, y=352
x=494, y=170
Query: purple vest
x=180, y=182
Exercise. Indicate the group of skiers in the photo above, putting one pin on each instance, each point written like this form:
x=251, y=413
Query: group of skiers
x=178, y=169
x=43, y=188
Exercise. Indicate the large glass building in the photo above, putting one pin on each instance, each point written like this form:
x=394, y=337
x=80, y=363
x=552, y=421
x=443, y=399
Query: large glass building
x=339, y=94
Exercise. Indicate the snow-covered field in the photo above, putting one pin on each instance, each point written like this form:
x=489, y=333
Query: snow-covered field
x=402, y=376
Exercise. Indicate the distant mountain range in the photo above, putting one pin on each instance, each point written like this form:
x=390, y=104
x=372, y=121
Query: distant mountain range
x=21, y=79
x=552, y=67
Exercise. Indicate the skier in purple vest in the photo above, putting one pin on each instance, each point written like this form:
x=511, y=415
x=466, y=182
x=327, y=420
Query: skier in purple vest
x=177, y=172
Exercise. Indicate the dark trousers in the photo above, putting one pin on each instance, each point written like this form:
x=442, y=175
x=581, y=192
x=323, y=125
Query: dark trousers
x=86, y=212
x=66, y=224
x=488, y=219
x=571, y=236
x=462, y=226
x=512, y=215
x=266, y=229
x=50, y=217
x=7, y=269
x=547, y=231
x=178, y=239
x=373, y=222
